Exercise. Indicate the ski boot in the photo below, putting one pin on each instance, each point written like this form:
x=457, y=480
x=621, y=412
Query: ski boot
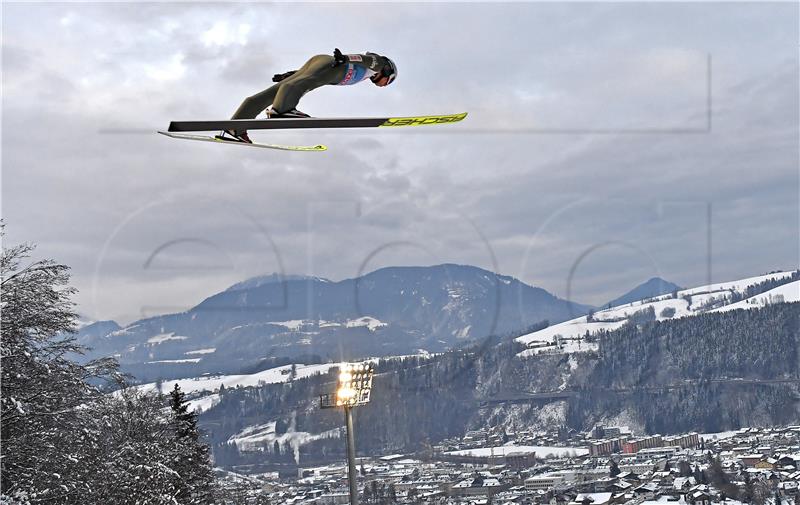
x=234, y=136
x=294, y=113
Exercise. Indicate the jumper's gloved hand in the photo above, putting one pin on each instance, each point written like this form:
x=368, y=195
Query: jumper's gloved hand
x=280, y=77
x=338, y=57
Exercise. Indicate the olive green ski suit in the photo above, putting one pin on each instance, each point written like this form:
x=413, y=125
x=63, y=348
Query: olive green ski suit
x=320, y=70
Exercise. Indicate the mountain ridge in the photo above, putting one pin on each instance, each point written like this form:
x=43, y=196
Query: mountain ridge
x=655, y=286
x=390, y=311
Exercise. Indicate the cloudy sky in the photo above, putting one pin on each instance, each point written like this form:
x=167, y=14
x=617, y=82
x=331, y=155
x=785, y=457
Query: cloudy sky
x=606, y=143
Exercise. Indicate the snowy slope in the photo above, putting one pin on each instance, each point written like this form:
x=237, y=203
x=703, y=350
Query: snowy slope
x=264, y=436
x=735, y=285
x=204, y=403
x=213, y=382
x=568, y=337
x=786, y=293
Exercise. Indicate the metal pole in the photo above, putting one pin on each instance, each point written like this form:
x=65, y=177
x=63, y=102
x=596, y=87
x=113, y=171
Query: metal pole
x=351, y=455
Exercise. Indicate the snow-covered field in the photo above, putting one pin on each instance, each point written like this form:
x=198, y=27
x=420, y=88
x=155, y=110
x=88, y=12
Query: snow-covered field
x=204, y=403
x=293, y=325
x=566, y=337
x=739, y=285
x=262, y=437
x=308, y=324
x=541, y=451
x=202, y=351
x=786, y=293
x=187, y=360
x=719, y=435
x=370, y=322
x=164, y=337
x=213, y=382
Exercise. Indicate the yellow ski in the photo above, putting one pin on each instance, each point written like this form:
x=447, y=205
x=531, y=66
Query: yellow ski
x=424, y=120
x=206, y=138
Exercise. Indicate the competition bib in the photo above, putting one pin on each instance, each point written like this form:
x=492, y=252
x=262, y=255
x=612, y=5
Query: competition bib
x=355, y=74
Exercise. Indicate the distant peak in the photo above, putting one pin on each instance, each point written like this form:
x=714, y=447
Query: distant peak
x=273, y=278
x=657, y=281
x=443, y=267
x=655, y=286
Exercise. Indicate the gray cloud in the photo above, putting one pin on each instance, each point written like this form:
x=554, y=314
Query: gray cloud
x=529, y=205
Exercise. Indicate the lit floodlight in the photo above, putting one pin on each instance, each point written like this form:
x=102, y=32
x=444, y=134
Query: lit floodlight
x=354, y=381
x=353, y=389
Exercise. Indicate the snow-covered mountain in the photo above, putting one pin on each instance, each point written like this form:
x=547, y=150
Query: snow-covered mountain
x=392, y=311
x=255, y=282
x=578, y=334
x=452, y=399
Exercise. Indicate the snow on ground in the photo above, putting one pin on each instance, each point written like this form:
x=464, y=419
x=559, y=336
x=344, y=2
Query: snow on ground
x=157, y=339
x=370, y=322
x=626, y=419
x=558, y=332
x=296, y=324
x=553, y=413
x=624, y=311
x=541, y=451
x=122, y=332
x=202, y=351
x=421, y=353
x=293, y=325
x=263, y=437
x=787, y=293
x=563, y=337
x=202, y=404
x=573, y=363
x=705, y=299
x=720, y=435
x=739, y=285
x=187, y=360
x=212, y=383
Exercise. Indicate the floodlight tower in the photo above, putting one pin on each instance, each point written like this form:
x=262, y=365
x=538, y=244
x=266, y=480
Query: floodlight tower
x=354, y=387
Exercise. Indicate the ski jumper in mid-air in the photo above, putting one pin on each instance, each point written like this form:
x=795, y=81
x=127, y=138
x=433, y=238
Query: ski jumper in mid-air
x=282, y=98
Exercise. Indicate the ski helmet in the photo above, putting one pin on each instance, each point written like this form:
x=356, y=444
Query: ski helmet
x=389, y=70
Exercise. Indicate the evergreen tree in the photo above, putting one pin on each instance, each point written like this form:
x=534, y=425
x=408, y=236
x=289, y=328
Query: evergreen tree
x=760, y=493
x=43, y=445
x=192, y=460
x=716, y=473
x=64, y=440
x=749, y=489
x=614, y=470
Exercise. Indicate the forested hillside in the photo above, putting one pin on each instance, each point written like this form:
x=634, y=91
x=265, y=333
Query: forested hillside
x=711, y=372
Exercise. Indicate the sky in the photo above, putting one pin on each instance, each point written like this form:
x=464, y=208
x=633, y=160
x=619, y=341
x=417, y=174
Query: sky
x=606, y=143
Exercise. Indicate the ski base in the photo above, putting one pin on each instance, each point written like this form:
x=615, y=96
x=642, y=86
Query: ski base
x=208, y=138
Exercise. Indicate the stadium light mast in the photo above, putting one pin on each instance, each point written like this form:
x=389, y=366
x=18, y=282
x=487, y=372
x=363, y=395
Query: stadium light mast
x=353, y=389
